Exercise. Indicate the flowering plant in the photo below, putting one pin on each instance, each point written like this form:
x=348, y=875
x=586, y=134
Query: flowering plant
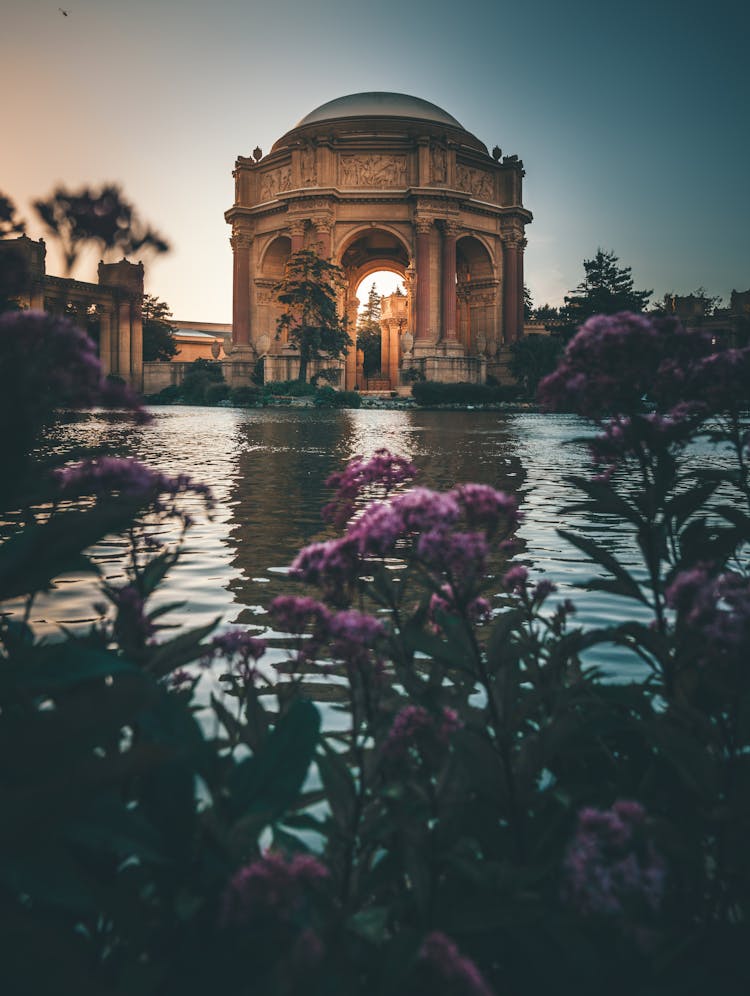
x=482, y=811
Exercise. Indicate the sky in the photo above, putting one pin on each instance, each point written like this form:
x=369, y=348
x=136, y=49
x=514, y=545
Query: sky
x=633, y=119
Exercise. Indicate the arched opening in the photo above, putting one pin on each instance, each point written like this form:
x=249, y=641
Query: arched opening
x=375, y=262
x=476, y=291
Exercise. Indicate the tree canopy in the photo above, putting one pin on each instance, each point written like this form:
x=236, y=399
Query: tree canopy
x=606, y=289
x=311, y=320
x=158, y=331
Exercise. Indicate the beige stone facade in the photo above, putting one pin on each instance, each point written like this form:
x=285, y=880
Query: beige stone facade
x=381, y=181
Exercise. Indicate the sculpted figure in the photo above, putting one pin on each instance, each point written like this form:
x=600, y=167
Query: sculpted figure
x=268, y=186
x=438, y=164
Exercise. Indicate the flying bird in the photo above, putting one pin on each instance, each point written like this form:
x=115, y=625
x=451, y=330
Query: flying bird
x=63, y=12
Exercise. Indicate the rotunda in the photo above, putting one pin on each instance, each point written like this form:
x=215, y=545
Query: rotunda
x=385, y=181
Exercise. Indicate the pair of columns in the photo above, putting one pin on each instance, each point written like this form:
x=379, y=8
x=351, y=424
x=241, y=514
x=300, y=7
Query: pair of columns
x=513, y=246
x=241, y=246
x=447, y=279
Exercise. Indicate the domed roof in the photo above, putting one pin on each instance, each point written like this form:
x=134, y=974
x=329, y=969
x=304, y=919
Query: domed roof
x=379, y=104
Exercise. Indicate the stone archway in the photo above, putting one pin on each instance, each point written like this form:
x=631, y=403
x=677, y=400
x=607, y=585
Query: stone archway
x=393, y=182
x=363, y=252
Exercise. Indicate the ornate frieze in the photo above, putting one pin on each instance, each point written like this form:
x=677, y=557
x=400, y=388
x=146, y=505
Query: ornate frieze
x=372, y=171
x=275, y=182
x=476, y=182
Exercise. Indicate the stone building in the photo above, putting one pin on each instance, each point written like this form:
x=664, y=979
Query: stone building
x=111, y=309
x=384, y=181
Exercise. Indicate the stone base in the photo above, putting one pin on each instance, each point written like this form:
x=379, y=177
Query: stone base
x=285, y=366
x=499, y=368
x=448, y=366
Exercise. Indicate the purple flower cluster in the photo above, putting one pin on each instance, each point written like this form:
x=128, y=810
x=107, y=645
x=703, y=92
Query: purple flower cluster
x=105, y=476
x=383, y=468
x=629, y=435
x=351, y=636
x=515, y=579
x=47, y=362
x=420, y=523
x=450, y=973
x=478, y=610
x=715, y=610
x=614, y=360
x=611, y=868
x=416, y=727
x=235, y=645
x=273, y=888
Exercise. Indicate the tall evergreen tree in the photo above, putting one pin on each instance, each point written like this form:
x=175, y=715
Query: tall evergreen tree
x=158, y=331
x=606, y=289
x=368, y=331
x=311, y=320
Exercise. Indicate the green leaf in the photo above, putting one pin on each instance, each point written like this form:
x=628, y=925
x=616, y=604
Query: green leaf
x=683, y=506
x=339, y=787
x=604, y=498
x=182, y=650
x=603, y=557
x=33, y=557
x=59, y=666
x=369, y=924
x=269, y=782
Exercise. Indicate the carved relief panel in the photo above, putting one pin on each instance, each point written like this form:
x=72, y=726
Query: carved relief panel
x=275, y=182
x=476, y=182
x=372, y=171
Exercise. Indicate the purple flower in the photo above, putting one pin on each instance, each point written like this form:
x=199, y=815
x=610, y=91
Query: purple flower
x=614, y=360
x=353, y=635
x=484, y=506
x=449, y=973
x=713, y=611
x=47, y=362
x=515, y=579
x=105, y=476
x=235, y=643
x=333, y=565
x=611, y=867
x=298, y=615
x=383, y=468
x=416, y=727
x=274, y=888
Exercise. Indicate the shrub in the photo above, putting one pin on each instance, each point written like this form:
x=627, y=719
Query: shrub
x=167, y=395
x=430, y=392
x=200, y=375
x=245, y=395
x=216, y=392
x=289, y=388
x=327, y=397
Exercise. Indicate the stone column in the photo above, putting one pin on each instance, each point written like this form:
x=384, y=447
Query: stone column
x=350, y=369
x=385, y=348
x=448, y=278
x=136, y=343
x=394, y=350
x=297, y=229
x=424, y=229
x=512, y=295
x=105, y=339
x=521, y=247
x=124, y=337
x=323, y=228
x=241, y=243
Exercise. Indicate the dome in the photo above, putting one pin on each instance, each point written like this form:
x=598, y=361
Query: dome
x=378, y=111
x=379, y=105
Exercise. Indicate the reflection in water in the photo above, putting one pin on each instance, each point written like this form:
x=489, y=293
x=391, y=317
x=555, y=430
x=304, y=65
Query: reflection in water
x=268, y=467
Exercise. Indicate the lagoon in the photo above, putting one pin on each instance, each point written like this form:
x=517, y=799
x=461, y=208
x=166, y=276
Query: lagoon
x=268, y=466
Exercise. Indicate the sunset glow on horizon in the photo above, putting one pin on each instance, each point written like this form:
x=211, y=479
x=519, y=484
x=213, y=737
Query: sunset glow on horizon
x=631, y=120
